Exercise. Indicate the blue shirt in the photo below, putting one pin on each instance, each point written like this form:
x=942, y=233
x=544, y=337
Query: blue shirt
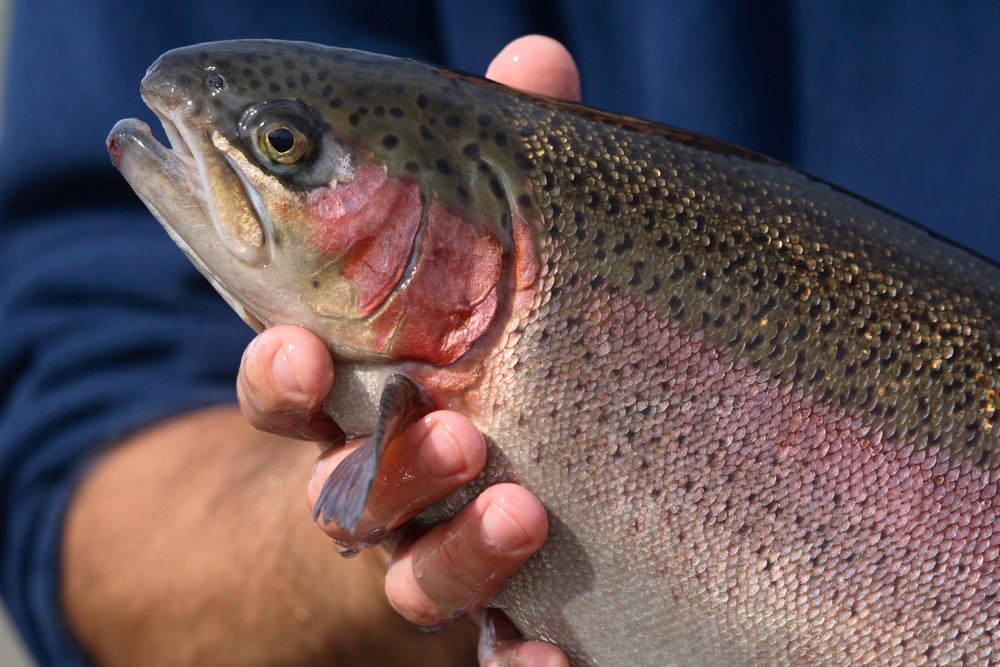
x=105, y=322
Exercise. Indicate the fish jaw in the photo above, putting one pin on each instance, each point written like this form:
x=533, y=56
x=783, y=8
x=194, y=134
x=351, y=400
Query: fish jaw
x=168, y=184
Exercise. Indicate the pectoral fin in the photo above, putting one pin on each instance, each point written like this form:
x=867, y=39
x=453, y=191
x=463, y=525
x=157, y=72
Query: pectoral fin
x=346, y=491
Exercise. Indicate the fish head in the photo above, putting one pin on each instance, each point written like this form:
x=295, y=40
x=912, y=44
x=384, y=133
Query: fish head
x=339, y=190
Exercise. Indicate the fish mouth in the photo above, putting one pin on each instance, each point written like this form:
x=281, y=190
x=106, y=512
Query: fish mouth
x=171, y=182
x=237, y=210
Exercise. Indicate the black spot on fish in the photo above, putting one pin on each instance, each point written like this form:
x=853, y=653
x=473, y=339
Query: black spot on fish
x=623, y=245
x=267, y=70
x=396, y=112
x=390, y=141
x=255, y=83
x=274, y=87
x=290, y=83
x=336, y=103
x=495, y=188
x=323, y=73
x=412, y=167
x=471, y=151
x=354, y=118
x=422, y=101
x=379, y=110
x=463, y=194
x=327, y=89
x=984, y=458
x=650, y=220
x=426, y=133
x=637, y=269
x=453, y=121
x=184, y=80
x=288, y=64
x=485, y=119
x=524, y=200
x=500, y=139
x=304, y=78
x=364, y=89
x=443, y=166
x=550, y=180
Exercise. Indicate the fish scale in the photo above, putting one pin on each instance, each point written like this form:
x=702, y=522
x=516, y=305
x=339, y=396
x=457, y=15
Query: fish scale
x=759, y=410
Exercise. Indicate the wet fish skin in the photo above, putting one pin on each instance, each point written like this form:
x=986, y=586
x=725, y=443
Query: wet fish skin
x=759, y=410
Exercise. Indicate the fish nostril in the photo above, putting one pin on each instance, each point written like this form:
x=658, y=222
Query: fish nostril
x=215, y=82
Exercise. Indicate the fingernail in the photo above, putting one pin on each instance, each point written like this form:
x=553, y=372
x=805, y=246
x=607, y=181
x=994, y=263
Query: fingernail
x=284, y=373
x=447, y=457
x=501, y=531
x=528, y=655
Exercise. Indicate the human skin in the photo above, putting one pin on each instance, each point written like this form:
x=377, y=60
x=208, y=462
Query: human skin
x=189, y=543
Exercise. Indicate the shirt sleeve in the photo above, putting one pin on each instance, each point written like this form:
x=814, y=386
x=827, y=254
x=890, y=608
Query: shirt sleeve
x=107, y=329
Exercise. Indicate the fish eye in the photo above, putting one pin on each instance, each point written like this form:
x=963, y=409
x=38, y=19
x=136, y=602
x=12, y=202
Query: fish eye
x=281, y=139
x=282, y=135
x=283, y=145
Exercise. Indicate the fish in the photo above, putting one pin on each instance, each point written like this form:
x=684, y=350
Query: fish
x=760, y=411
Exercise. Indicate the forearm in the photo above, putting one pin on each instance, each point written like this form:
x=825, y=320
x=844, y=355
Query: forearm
x=190, y=544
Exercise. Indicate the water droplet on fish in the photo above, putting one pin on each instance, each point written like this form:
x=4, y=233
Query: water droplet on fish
x=350, y=549
x=431, y=629
x=346, y=550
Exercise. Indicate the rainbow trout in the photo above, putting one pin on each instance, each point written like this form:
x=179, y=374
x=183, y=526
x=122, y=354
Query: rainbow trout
x=759, y=410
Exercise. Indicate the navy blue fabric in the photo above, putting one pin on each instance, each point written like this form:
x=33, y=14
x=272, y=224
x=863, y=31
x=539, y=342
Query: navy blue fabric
x=107, y=329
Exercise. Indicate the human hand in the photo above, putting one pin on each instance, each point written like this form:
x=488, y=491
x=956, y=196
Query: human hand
x=458, y=566
x=454, y=568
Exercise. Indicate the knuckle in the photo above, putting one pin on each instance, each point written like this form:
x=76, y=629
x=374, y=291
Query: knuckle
x=410, y=601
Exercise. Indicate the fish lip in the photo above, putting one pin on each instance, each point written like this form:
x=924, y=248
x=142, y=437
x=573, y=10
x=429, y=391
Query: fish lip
x=180, y=118
x=167, y=180
x=177, y=143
